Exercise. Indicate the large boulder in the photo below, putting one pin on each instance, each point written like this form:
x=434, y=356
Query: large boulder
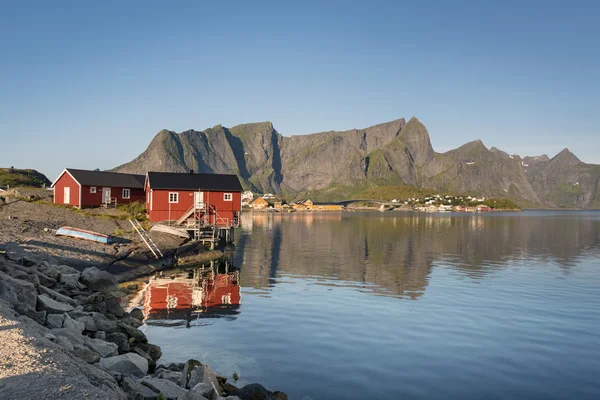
x=88, y=322
x=114, y=307
x=136, y=391
x=55, y=320
x=133, y=332
x=203, y=374
x=87, y=355
x=120, y=339
x=71, y=281
x=65, y=269
x=17, y=292
x=51, y=306
x=98, y=280
x=54, y=295
x=187, y=370
x=169, y=390
x=137, y=314
x=104, y=349
x=256, y=391
x=129, y=363
x=70, y=323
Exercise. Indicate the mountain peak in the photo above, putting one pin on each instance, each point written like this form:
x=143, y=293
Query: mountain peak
x=415, y=137
x=566, y=157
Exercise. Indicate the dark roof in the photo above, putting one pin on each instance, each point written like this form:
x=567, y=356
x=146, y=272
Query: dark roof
x=193, y=181
x=113, y=179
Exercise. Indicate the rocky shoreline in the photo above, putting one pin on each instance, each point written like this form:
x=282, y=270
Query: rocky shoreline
x=73, y=323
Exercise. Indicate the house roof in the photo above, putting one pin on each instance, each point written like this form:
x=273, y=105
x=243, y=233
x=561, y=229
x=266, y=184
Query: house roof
x=102, y=178
x=193, y=181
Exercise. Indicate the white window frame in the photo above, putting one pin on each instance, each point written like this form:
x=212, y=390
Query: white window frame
x=173, y=197
x=128, y=193
x=93, y=189
x=227, y=196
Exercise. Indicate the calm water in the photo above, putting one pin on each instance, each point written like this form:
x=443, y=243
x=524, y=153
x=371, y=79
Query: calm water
x=419, y=306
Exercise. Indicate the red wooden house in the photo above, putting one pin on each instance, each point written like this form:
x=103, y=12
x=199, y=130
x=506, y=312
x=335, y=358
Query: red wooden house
x=215, y=198
x=81, y=188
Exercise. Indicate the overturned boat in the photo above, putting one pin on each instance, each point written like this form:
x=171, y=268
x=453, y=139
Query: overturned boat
x=83, y=234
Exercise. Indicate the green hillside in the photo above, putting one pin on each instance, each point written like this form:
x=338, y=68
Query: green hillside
x=22, y=177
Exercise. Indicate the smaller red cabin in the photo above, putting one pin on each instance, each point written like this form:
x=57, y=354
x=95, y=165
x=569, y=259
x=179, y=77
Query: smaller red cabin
x=216, y=199
x=81, y=188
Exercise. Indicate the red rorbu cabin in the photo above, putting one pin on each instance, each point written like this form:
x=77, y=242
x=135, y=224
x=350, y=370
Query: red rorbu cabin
x=81, y=188
x=214, y=199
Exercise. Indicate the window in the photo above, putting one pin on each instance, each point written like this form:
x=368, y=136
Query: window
x=92, y=189
x=227, y=197
x=173, y=197
x=126, y=193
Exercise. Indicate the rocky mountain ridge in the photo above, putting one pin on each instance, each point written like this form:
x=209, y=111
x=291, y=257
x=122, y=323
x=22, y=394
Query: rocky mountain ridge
x=334, y=165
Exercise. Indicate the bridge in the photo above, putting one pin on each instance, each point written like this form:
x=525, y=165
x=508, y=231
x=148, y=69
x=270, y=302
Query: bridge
x=382, y=203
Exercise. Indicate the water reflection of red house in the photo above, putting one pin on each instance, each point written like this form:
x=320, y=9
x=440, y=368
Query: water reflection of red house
x=203, y=292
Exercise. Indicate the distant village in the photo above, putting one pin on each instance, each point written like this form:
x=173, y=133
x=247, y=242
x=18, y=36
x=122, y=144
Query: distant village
x=270, y=202
x=434, y=203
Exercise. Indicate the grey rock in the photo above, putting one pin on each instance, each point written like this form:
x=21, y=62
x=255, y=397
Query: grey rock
x=55, y=320
x=78, y=312
x=202, y=374
x=54, y=295
x=106, y=325
x=156, y=353
x=72, y=335
x=151, y=362
x=187, y=370
x=95, y=279
x=120, y=339
x=173, y=376
x=70, y=323
x=88, y=322
x=170, y=390
x=51, y=306
x=44, y=279
x=100, y=335
x=137, y=314
x=50, y=271
x=71, y=281
x=89, y=356
x=37, y=316
x=50, y=336
x=103, y=348
x=136, y=391
x=17, y=291
x=65, y=269
x=133, y=332
x=136, y=323
x=95, y=298
x=114, y=307
x=256, y=391
x=192, y=396
x=97, y=307
x=204, y=389
x=65, y=343
x=129, y=363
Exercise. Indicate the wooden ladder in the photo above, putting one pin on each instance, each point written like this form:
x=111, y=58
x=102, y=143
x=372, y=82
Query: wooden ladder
x=146, y=238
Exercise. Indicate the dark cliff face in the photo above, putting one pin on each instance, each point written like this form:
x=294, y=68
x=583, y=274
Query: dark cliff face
x=392, y=153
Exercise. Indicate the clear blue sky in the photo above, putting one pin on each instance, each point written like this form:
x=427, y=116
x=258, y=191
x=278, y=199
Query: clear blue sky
x=88, y=84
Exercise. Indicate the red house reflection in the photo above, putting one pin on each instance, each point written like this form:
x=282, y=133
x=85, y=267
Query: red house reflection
x=206, y=291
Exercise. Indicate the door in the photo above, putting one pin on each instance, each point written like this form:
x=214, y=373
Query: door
x=106, y=195
x=199, y=199
x=67, y=195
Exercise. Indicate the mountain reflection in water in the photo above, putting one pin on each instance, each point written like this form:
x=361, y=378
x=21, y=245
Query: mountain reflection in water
x=402, y=306
x=393, y=254
x=181, y=296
